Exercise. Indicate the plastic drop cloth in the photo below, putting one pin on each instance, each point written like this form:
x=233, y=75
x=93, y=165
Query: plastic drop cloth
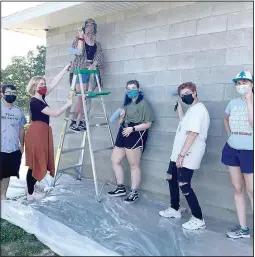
x=71, y=222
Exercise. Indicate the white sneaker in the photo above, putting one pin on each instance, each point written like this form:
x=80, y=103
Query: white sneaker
x=170, y=213
x=35, y=196
x=194, y=224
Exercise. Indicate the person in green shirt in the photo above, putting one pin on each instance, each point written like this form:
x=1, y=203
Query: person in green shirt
x=136, y=117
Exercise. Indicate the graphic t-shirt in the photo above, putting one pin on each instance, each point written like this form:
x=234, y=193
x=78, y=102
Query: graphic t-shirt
x=241, y=137
x=11, y=121
x=138, y=113
x=196, y=119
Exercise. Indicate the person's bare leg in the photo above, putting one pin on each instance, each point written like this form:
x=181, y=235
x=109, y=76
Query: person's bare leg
x=134, y=157
x=249, y=186
x=4, y=187
x=239, y=194
x=118, y=155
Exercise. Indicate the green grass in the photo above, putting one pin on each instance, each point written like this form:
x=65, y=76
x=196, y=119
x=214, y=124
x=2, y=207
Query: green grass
x=16, y=242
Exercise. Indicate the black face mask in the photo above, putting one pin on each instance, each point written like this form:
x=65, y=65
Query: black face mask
x=10, y=98
x=188, y=99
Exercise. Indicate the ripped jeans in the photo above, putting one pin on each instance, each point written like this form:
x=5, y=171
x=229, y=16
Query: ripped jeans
x=183, y=176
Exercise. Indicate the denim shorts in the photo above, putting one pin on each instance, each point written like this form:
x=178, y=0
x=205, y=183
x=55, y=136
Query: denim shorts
x=182, y=175
x=84, y=78
x=238, y=158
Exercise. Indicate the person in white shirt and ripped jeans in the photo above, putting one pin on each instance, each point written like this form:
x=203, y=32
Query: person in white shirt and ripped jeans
x=188, y=151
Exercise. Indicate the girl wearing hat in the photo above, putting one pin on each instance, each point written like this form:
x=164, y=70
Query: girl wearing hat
x=91, y=56
x=237, y=153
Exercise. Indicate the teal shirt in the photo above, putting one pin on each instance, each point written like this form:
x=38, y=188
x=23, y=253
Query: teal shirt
x=241, y=137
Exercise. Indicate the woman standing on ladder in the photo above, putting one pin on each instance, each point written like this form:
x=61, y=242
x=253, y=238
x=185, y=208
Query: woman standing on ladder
x=136, y=118
x=91, y=57
x=38, y=139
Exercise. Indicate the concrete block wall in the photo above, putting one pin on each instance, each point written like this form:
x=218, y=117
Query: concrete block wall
x=162, y=45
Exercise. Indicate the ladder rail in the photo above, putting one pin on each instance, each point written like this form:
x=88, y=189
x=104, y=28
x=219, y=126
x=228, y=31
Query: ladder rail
x=104, y=109
x=92, y=158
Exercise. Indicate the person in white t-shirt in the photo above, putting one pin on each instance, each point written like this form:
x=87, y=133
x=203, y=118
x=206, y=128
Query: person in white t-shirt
x=188, y=151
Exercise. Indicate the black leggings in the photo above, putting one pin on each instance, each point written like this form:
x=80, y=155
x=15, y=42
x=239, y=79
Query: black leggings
x=30, y=182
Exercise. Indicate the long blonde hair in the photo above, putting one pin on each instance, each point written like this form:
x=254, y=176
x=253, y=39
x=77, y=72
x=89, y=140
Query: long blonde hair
x=31, y=87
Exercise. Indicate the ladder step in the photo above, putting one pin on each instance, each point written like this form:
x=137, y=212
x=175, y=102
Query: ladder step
x=70, y=167
x=103, y=149
x=72, y=150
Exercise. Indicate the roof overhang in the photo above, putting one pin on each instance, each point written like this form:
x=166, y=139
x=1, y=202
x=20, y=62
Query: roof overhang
x=52, y=15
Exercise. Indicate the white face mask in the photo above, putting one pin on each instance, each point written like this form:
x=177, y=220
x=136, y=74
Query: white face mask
x=242, y=89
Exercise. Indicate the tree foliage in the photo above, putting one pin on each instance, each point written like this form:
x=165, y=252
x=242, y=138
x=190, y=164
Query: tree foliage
x=21, y=70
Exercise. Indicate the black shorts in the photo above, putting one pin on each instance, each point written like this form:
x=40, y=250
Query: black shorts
x=182, y=175
x=135, y=140
x=10, y=164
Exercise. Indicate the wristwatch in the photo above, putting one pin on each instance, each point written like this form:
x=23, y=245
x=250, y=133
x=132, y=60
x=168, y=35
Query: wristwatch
x=133, y=129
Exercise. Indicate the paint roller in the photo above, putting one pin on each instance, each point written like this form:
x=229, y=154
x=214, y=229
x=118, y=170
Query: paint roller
x=174, y=92
x=74, y=51
x=115, y=116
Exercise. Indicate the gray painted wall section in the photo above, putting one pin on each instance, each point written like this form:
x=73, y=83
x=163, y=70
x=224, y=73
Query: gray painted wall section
x=163, y=45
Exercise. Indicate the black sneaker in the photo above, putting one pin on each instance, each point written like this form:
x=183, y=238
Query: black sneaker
x=238, y=232
x=132, y=197
x=82, y=126
x=119, y=191
x=74, y=127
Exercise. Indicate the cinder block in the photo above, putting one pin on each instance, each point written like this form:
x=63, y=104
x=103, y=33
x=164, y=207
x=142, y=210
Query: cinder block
x=53, y=32
x=133, y=13
x=172, y=124
x=161, y=139
x=248, y=37
x=168, y=77
x=230, y=92
x=64, y=60
x=175, y=46
x=58, y=40
x=116, y=95
x=170, y=98
x=106, y=29
x=159, y=110
x=162, y=48
x=70, y=37
x=240, y=20
x=215, y=144
x=216, y=109
x=145, y=79
x=157, y=33
x=47, y=63
x=67, y=28
x=62, y=95
x=52, y=51
x=212, y=161
x=214, y=92
x=196, y=43
x=155, y=94
x=188, y=75
x=119, y=54
x=181, y=61
x=112, y=68
x=169, y=110
x=184, y=29
x=212, y=24
x=154, y=7
x=171, y=16
x=115, y=17
x=62, y=50
x=155, y=63
x=220, y=8
x=210, y=58
x=145, y=50
x=237, y=55
x=148, y=21
x=158, y=124
x=134, y=38
x=132, y=66
x=197, y=11
x=116, y=81
x=227, y=39
x=158, y=154
x=216, y=127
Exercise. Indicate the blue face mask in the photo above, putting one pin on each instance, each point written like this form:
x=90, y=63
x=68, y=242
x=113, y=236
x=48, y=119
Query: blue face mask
x=133, y=93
